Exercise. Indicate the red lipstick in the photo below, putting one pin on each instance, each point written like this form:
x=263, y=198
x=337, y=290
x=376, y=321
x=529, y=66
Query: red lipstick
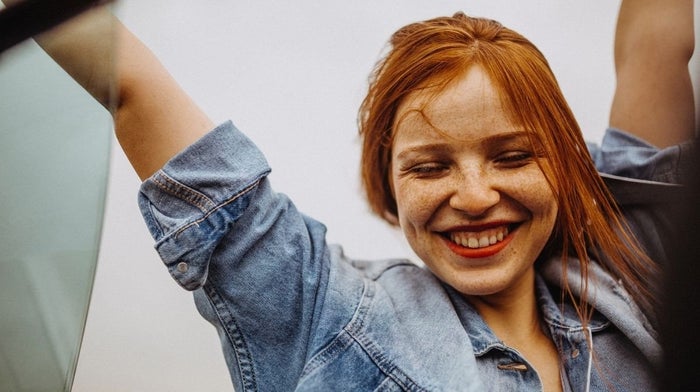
x=475, y=253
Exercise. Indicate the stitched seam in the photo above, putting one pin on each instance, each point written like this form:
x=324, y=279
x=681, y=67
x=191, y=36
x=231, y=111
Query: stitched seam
x=386, y=385
x=356, y=319
x=400, y=264
x=488, y=347
x=175, y=188
x=236, y=338
x=386, y=366
x=339, y=344
x=217, y=208
x=153, y=222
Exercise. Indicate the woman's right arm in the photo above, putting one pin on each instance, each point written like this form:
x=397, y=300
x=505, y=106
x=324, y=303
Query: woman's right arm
x=154, y=118
x=258, y=267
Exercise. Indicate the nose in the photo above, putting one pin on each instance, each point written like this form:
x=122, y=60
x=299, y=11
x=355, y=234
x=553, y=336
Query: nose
x=474, y=193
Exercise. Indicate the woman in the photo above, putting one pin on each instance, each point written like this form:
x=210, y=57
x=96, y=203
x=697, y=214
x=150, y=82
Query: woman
x=476, y=156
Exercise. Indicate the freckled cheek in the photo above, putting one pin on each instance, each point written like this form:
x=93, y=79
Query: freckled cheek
x=416, y=205
x=536, y=195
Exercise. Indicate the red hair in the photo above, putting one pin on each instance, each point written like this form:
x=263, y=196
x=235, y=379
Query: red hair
x=432, y=53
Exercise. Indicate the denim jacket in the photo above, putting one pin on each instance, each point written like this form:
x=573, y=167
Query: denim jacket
x=295, y=314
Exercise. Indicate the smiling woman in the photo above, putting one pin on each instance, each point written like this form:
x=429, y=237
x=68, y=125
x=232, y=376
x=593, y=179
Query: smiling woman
x=470, y=148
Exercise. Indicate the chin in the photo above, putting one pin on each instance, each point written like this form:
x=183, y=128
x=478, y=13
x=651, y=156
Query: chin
x=485, y=283
x=480, y=287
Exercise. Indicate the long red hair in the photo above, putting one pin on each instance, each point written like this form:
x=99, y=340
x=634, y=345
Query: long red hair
x=434, y=52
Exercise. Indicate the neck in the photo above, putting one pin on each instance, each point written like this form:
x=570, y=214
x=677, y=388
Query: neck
x=513, y=314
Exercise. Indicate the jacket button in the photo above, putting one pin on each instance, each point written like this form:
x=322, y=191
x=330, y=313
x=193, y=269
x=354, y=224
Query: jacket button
x=517, y=366
x=182, y=267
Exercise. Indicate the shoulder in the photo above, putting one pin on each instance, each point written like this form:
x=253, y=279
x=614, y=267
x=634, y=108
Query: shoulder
x=609, y=297
x=386, y=270
x=402, y=282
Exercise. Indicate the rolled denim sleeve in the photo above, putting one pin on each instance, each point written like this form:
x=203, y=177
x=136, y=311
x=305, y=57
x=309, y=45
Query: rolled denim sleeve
x=258, y=267
x=624, y=155
x=646, y=183
x=190, y=203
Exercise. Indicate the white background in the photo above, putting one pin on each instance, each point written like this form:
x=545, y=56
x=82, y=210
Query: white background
x=291, y=75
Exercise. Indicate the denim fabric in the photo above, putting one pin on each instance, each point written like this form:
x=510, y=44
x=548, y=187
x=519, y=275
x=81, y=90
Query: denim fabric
x=623, y=155
x=294, y=313
x=644, y=181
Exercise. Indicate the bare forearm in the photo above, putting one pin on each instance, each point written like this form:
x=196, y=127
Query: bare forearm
x=654, y=42
x=85, y=48
x=665, y=24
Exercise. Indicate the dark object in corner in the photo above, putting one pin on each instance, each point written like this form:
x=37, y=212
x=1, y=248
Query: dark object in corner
x=27, y=18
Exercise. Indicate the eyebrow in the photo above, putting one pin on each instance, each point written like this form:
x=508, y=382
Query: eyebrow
x=489, y=141
x=506, y=137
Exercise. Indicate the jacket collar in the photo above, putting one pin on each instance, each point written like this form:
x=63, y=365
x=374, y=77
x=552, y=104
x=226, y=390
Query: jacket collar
x=610, y=298
x=561, y=316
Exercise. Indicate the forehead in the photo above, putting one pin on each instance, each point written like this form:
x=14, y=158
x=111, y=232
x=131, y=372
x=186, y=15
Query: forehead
x=468, y=107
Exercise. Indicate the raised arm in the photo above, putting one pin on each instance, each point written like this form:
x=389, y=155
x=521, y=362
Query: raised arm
x=154, y=118
x=654, y=41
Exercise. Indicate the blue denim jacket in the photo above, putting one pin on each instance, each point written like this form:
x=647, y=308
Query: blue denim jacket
x=294, y=313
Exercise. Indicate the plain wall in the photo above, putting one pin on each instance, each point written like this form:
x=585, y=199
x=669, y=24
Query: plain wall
x=291, y=75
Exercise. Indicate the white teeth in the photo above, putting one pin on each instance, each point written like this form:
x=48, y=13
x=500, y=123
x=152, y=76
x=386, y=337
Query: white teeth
x=483, y=239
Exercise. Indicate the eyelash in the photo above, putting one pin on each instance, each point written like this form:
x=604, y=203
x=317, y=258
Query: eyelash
x=514, y=158
x=511, y=159
x=426, y=169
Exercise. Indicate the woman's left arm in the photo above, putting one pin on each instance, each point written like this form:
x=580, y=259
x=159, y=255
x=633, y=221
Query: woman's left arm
x=654, y=42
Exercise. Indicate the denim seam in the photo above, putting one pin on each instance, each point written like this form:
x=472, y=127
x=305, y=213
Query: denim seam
x=182, y=191
x=152, y=222
x=578, y=329
x=236, y=338
x=488, y=347
x=340, y=343
x=385, y=365
x=354, y=330
x=400, y=264
x=344, y=339
x=621, y=292
x=386, y=385
x=216, y=208
x=514, y=356
x=358, y=319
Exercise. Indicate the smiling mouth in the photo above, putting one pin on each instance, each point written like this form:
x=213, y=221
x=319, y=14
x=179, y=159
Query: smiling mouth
x=477, y=244
x=475, y=240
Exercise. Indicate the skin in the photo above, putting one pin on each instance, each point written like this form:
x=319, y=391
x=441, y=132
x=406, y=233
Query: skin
x=462, y=172
x=654, y=41
x=475, y=174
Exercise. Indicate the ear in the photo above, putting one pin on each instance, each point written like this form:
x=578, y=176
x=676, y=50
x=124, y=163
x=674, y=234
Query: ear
x=390, y=182
x=391, y=218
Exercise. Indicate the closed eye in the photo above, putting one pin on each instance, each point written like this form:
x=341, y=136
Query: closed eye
x=514, y=159
x=423, y=170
